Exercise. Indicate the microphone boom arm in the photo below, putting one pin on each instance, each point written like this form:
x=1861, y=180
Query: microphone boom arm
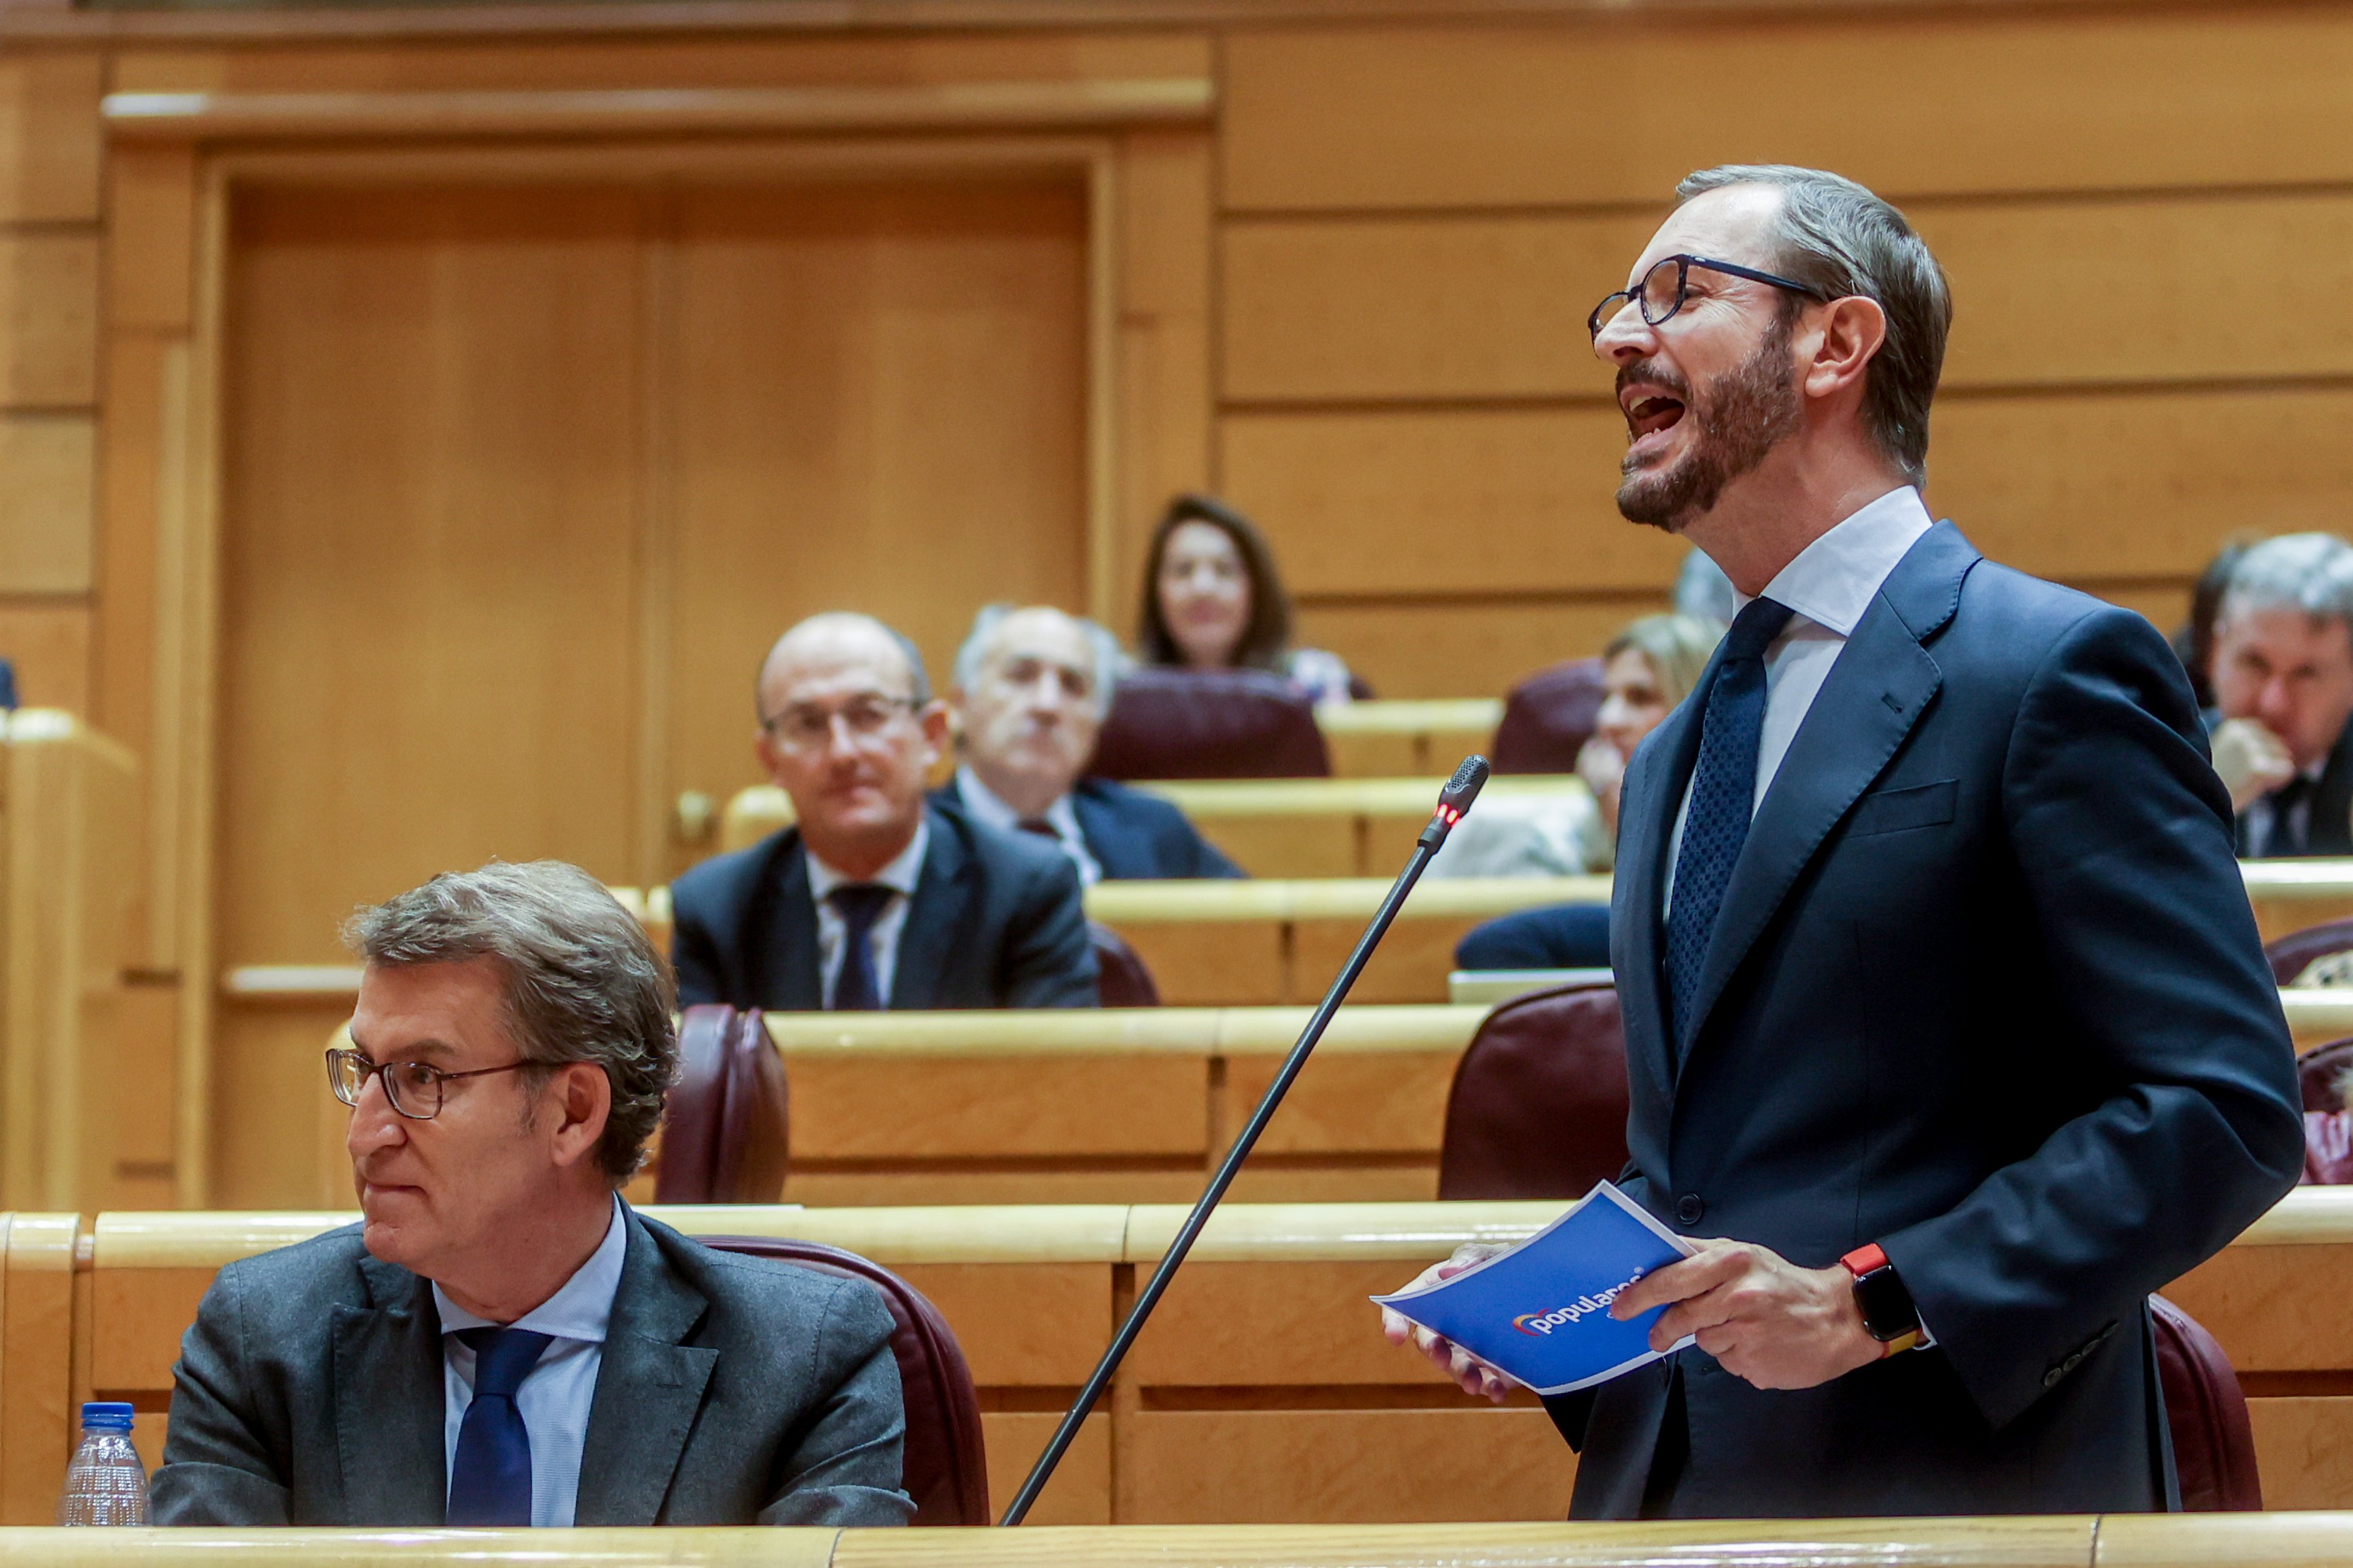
x=1453, y=802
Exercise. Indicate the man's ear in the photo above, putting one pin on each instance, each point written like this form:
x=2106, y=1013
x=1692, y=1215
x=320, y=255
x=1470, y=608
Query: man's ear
x=1849, y=332
x=934, y=718
x=580, y=1098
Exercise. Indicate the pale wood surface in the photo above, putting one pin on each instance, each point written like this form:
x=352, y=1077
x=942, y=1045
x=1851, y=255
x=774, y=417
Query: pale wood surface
x=46, y=509
x=48, y=314
x=49, y=136
x=36, y=1348
x=48, y=642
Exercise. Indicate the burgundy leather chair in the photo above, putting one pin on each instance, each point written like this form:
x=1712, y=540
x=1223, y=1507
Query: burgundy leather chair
x=2292, y=954
x=2320, y=1075
x=1122, y=979
x=1209, y=724
x=1539, y=1106
x=945, y=1468
x=1548, y=717
x=725, y=1133
x=2213, y=1443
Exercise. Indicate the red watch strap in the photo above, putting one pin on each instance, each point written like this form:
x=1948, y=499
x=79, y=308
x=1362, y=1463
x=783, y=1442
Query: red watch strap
x=1864, y=1259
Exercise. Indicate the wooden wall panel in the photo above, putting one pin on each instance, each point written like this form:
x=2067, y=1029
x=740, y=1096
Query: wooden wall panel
x=49, y=645
x=429, y=565
x=1166, y=250
x=48, y=314
x=51, y=137
x=1469, y=647
x=879, y=407
x=1503, y=115
x=45, y=506
x=150, y=216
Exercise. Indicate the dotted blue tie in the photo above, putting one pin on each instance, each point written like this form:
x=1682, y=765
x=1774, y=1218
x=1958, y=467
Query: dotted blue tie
x=860, y=904
x=490, y=1481
x=1722, y=798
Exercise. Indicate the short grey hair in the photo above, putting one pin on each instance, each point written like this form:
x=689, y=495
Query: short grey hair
x=1835, y=235
x=2307, y=572
x=1108, y=656
x=584, y=983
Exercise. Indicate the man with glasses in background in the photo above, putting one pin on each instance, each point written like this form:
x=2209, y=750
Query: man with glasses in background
x=874, y=899
x=500, y=1339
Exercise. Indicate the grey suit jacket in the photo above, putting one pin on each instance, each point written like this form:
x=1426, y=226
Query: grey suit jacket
x=733, y=1391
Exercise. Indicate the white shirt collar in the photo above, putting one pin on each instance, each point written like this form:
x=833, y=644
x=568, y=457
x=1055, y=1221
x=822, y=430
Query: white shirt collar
x=989, y=808
x=1834, y=580
x=580, y=1310
x=900, y=874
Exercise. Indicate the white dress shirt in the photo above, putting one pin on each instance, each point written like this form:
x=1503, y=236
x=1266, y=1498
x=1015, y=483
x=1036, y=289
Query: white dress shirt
x=1061, y=817
x=1828, y=586
x=556, y=1394
x=883, y=937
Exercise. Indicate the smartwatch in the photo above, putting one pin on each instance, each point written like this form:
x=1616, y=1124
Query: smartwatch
x=1888, y=1314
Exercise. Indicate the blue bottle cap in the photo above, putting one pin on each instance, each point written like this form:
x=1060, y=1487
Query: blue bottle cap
x=106, y=1416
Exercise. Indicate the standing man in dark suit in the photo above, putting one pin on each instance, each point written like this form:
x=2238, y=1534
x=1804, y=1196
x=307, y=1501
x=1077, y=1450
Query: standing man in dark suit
x=1949, y=1036
x=2283, y=675
x=500, y=1339
x=871, y=899
x=1031, y=689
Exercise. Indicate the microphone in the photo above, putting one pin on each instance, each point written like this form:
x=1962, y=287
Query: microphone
x=1453, y=802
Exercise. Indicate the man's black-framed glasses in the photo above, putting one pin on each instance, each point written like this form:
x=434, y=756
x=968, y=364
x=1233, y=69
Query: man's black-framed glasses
x=1661, y=292
x=413, y=1088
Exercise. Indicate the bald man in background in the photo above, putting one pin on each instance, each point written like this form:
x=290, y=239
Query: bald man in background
x=1032, y=685
x=874, y=899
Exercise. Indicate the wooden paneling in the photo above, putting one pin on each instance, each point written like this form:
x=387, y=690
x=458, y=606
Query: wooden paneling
x=1166, y=251
x=45, y=506
x=878, y=406
x=48, y=314
x=1441, y=648
x=1083, y=1105
x=426, y=563
x=1499, y=116
x=48, y=642
x=49, y=137
x=150, y=256
x=37, y=1337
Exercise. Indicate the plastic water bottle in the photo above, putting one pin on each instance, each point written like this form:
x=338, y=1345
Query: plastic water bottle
x=106, y=1484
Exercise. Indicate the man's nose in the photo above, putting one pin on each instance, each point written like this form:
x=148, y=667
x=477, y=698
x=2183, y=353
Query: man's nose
x=1625, y=337
x=374, y=1123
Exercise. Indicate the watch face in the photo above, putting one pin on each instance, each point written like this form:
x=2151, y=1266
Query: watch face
x=1887, y=1309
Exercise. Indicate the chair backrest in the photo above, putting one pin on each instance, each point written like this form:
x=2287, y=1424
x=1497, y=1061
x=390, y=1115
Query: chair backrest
x=1539, y=1106
x=1209, y=724
x=1548, y=717
x=2213, y=1442
x=2327, y=1149
x=1122, y=977
x=725, y=1133
x=2292, y=954
x=945, y=1466
x=2320, y=1075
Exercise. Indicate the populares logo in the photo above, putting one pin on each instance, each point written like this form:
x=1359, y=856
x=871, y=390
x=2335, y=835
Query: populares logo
x=1538, y=1324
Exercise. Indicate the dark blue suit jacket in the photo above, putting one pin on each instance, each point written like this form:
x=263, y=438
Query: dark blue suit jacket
x=1135, y=835
x=995, y=922
x=1986, y=989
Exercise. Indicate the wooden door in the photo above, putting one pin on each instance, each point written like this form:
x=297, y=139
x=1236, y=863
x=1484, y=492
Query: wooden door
x=521, y=483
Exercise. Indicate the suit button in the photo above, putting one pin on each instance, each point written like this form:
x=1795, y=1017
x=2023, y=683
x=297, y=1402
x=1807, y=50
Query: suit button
x=2050, y=1379
x=1688, y=1208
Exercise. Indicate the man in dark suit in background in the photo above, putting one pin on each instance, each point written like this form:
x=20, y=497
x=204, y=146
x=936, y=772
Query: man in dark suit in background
x=500, y=1339
x=872, y=898
x=1031, y=689
x=1949, y=1036
x=2282, y=669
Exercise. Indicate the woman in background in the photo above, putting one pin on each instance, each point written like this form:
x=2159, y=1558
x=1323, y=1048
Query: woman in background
x=1212, y=600
x=1646, y=670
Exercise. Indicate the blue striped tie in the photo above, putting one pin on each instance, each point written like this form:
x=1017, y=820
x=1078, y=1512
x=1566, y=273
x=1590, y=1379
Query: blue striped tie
x=489, y=1479
x=1722, y=798
x=860, y=904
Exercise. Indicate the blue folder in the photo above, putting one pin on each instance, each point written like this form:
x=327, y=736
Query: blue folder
x=1540, y=1312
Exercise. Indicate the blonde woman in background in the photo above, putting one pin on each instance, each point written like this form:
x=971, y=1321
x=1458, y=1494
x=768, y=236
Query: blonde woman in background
x=1646, y=668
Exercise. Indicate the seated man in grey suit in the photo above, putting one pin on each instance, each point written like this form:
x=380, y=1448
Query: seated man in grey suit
x=502, y=1340
x=874, y=899
x=1031, y=689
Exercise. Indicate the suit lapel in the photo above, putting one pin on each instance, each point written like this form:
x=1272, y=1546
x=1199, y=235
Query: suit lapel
x=387, y=1393
x=937, y=916
x=1655, y=781
x=796, y=980
x=1881, y=684
x=1099, y=825
x=650, y=1389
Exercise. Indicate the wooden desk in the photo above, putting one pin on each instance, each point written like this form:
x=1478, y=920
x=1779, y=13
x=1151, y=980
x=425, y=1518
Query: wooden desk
x=1393, y=739
x=1262, y=1392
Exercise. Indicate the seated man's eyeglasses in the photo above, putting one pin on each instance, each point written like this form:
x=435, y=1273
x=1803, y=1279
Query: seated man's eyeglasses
x=414, y=1089
x=1661, y=292
x=805, y=727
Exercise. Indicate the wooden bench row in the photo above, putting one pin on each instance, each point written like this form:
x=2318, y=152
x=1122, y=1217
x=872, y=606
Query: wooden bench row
x=1262, y=1393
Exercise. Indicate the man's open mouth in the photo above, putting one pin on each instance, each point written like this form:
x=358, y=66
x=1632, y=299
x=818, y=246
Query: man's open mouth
x=1649, y=416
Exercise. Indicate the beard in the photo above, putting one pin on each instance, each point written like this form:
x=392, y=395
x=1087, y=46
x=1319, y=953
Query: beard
x=1741, y=417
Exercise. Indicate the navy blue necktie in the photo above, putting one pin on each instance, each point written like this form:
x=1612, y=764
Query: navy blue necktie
x=859, y=905
x=1722, y=798
x=490, y=1481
